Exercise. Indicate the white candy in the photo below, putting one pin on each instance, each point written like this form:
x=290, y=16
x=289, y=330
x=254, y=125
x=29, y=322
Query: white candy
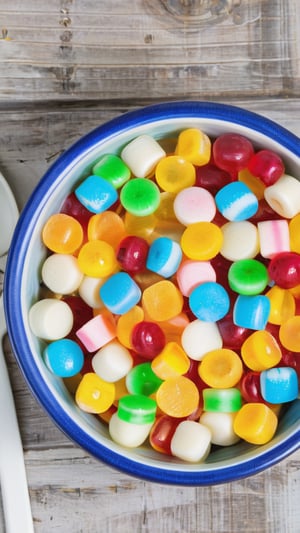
x=191, y=441
x=89, y=291
x=112, y=362
x=142, y=154
x=274, y=237
x=126, y=433
x=61, y=274
x=200, y=337
x=221, y=427
x=240, y=240
x=284, y=196
x=50, y=319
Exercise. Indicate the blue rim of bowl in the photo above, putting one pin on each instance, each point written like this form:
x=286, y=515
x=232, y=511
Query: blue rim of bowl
x=13, y=277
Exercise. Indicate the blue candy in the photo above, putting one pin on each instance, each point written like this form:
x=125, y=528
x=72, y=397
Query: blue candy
x=120, y=293
x=96, y=194
x=236, y=201
x=251, y=312
x=279, y=385
x=64, y=357
x=164, y=257
x=209, y=301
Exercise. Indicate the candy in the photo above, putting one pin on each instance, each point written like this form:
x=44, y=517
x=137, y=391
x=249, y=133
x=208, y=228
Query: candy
x=273, y=237
x=284, y=269
x=261, y=351
x=113, y=169
x=250, y=387
x=132, y=253
x=164, y=257
x=236, y=201
x=232, y=152
x=211, y=178
x=194, y=146
x=171, y=361
x=240, y=240
x=173, y=174
x=221, y=368
x=106, y=226
x=254, y=184
x=191, y=441
x=142, y=380
x=227, y=400
x=201, y=241
x=248, y=276
x=137, y=409
x=97, y=332
x=112, y=362
x=209, y=301
x=62, y=234
x=63, y=357
x=251, y=312
x=200, y=337
x=294, y=231
x=289, y=334
x=120, y=293
x=126, y=323
x=282, y=304
x=177, y=397
x=162, y=432
x=267, y=166
x=96, y=194
x=50, y=319
x=94, y=395
x=61, y=273
x=192, y=273
x=89, y=291
x=284, y=196
x=162, y=301
x=279, y=385
x=140, y=197
x=97, y=259
x=221, y=427
x=142, y=154
x=255, y=423
x=194, y=204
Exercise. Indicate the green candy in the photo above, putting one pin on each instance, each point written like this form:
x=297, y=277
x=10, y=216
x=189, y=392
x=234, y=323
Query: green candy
x=142, y=380
x=111, y=168
x=137, y=409
x=140, y=197
x=222, y=400
x=248, y=277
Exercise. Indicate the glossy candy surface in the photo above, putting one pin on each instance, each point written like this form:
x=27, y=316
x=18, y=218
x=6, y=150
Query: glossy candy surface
x=148, y=339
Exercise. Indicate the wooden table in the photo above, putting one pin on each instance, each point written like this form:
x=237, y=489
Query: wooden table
x=65, y=67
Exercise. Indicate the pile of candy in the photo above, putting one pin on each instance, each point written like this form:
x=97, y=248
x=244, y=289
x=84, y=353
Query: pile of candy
x=170, y=293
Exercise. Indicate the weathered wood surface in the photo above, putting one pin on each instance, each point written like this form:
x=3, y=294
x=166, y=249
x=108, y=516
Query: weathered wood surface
x=70, y=491
x=74, y=50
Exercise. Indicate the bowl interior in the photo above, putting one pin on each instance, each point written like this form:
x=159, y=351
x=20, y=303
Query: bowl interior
x=22, y=290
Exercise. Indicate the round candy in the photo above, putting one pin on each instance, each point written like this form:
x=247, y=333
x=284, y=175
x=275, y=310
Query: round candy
x=248, y=276
x=126, y=324
x=250, y=387
x=194, y=204
x=201, y=241
x=279, y=385
x=120, y=293
x=173, y=173
x=75, y=209
x=162, y=301
x=107, y=226
x=113, y=169
x=142, y=380
x=177, y=397
x=251, y=312
x=61, y=273
x=140, y=226
x=255, y=184
x=191, y=441
x=97, y=332
x=50, y=319
x=240, y=240
x=171, y=361
x=137, y=409
x=284, y=269
x=63, y=357
x=209, y=301
x=148, y=339
x=164, y=257
x=112, y=362
x=200, y=337
x=236, y=201
x=284, y=196
x=211, y=178
x=162, y=432
x=192, y=273
x=267, y=166
x=94, y=395
x=62, y=234
x=260, y=351
x=255, y=423
x=221, y=427
x=128, y=434
x=140, y=197
x=89, y=291
x=132, y=253
x=273, y=237
x=227, y=400
x=282, y=303
x=96, y=194
x=97, y=259
x=194, y=146
x=221, y=368
x=289, y=334
x=232, y=152
x=142, y=154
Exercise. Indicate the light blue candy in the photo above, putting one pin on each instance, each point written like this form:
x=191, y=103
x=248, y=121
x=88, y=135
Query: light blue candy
x=164, y=257
x=236, y=201
x=96, y=194
x=279, y=385
x=64, y=358
x=209, y=301
x=251, y=312
x=120, y=293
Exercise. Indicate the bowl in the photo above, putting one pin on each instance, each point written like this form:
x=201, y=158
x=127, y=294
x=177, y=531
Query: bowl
x=22, y=289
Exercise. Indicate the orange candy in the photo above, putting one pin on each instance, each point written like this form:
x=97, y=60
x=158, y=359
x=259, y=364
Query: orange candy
x=261, y=351
x=289, y=334
x=283, y=305
x=255, y=423
x=62, y=234
x=221, y=369
x=162, y=301
x=126, y=324
x=178, y=397
x=171, y=362
x=106, y=226
x=201, y=241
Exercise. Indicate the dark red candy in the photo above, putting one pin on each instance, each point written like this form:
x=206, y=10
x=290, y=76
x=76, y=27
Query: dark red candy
x=132, y=254
x=250, y=387
x=284, y=269
x=267, y=166
x=74, y=208
x=148, y=339
x=233, y=336
x=264, y=212
x=211, y=178
x=232, y=152
x=162, y=432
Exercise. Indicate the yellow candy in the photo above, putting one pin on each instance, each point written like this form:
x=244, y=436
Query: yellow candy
x=171, y=362
x=139, y=226
x=173, y=173
x=162, y=301
x=254, y=184
x=97, y=259
x=283, y=305
x=221, y=369
x=255, y=423
x=289, y=334
x=94, y=395
x=202, y=241
x=126, y=324
x=194, y=146
x=261, y=351
x=178, y=397
x=294, y=227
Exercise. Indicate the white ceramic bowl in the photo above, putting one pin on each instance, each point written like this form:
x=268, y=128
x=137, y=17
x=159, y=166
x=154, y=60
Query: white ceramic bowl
x=22, y=289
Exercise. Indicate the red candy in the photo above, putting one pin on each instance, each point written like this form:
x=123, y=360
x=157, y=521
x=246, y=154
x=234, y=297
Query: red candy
x=211, y=178
x=132, y=254
x=148, y=339
x=250, y=387
x=284, y=269
x=267, y=166
x=232, y=152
